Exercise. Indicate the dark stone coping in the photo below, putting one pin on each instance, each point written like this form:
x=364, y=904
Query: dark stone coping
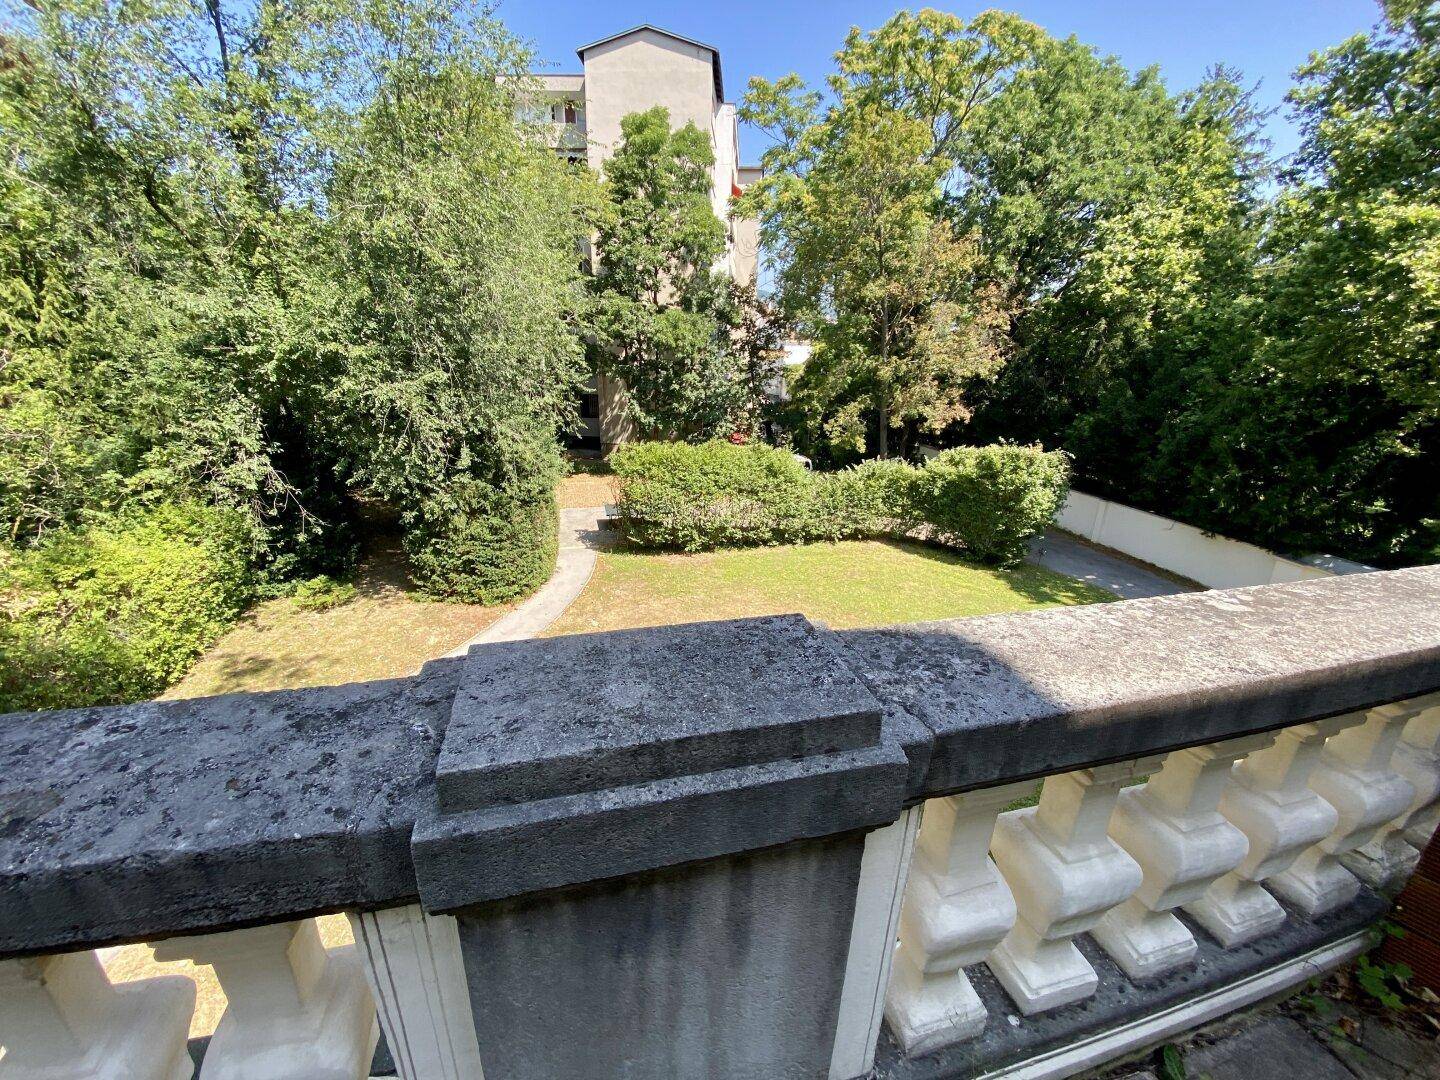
x=1011, y=1038
x=539, y=719
x=508, y=850
x=580, y=758
x=142, y=821
x=1010, y=697
x=146, y=821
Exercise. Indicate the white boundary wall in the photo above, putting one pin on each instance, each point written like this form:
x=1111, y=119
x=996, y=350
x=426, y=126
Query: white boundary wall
x=1214, y=561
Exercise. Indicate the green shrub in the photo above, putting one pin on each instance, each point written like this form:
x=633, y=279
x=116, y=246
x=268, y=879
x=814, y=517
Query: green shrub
x=322, y=593
x=489, y=552
x=717, y=494
x=991, y=500
x=118, y=611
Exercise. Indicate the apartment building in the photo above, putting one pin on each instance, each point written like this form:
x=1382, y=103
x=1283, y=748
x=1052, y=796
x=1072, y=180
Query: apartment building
x=630, y=72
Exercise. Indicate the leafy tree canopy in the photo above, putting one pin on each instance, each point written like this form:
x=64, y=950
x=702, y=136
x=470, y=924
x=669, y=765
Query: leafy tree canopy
x=270, y=254
x=664, y=319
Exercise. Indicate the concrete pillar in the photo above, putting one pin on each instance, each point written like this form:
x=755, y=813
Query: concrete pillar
x=1173, y=828
x=1066, y=873
x=957, y=908
x=61, y=1017
x=416, y=972
x=1354, y=776
x=294, y=1010
x=1270, y=801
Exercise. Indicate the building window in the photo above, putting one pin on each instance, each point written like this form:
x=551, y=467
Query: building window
x=570, y=113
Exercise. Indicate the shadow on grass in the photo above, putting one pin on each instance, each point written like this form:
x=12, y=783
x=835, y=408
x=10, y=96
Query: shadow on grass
x=1035, y=583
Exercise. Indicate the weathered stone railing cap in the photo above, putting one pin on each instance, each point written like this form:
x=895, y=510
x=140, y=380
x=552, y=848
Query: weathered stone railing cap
x=535, y=720
x=1013, y=696
x=145, y=820
x=604, y=754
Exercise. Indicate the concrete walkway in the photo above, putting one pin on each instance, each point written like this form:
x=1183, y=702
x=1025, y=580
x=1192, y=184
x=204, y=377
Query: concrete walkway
x=1125, y=578
x=581, y=536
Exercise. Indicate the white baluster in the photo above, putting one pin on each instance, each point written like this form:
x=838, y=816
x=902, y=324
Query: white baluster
x=1417, y=759
x=1066, y=873
x=61, y=1018
x=1270, y=801
x=295, y=1010
x=1173, y=828
x=416, y=970
x=1354, y=776
x=956, y=909
x=1388, y=858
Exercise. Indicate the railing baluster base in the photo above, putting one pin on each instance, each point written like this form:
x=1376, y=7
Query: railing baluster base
x=1039, y=974
x=1235, y=910
x=1144, y=943
x=1385, y=863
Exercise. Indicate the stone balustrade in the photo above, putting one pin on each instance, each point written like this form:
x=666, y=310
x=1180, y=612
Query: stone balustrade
x=756, y=848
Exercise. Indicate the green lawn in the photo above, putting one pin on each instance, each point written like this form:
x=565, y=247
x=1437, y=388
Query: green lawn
x=854, y=583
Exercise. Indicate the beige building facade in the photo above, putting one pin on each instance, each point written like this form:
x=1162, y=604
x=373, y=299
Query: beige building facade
x=630, y=72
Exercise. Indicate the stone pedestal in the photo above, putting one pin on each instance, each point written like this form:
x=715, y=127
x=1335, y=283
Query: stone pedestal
x=62, y=1019
x=652, y=843
x=1270, y=801
x=728, y=968
x=1173, y=828
x=957, y=908
x=295, y=1010
x=1066, y=873
x=1354, y=776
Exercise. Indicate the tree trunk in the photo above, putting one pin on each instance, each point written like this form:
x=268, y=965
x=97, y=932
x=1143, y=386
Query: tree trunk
x=883, y=443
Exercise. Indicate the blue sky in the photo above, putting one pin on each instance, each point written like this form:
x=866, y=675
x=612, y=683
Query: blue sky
x=1266, y=39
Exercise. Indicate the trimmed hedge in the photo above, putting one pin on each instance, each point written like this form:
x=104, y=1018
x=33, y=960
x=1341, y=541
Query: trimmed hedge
x=117, y=612
x=489, y=554
x=988, y=500
x=675, y=495
x=991, y=500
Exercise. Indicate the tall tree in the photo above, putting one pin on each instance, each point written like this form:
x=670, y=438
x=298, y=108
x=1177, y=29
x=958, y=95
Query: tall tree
x=867, y=266
x=658, y=316
x=453, y=295
x=1328, y=438
x=171, y=152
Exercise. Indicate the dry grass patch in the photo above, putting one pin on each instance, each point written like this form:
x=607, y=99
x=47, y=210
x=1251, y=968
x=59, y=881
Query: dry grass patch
x=585, y=490
x=386, y=632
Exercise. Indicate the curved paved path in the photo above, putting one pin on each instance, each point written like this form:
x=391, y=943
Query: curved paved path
x=1126, y=578
x=581, y=536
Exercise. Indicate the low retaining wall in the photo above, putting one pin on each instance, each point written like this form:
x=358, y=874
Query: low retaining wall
x=1214, y=561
